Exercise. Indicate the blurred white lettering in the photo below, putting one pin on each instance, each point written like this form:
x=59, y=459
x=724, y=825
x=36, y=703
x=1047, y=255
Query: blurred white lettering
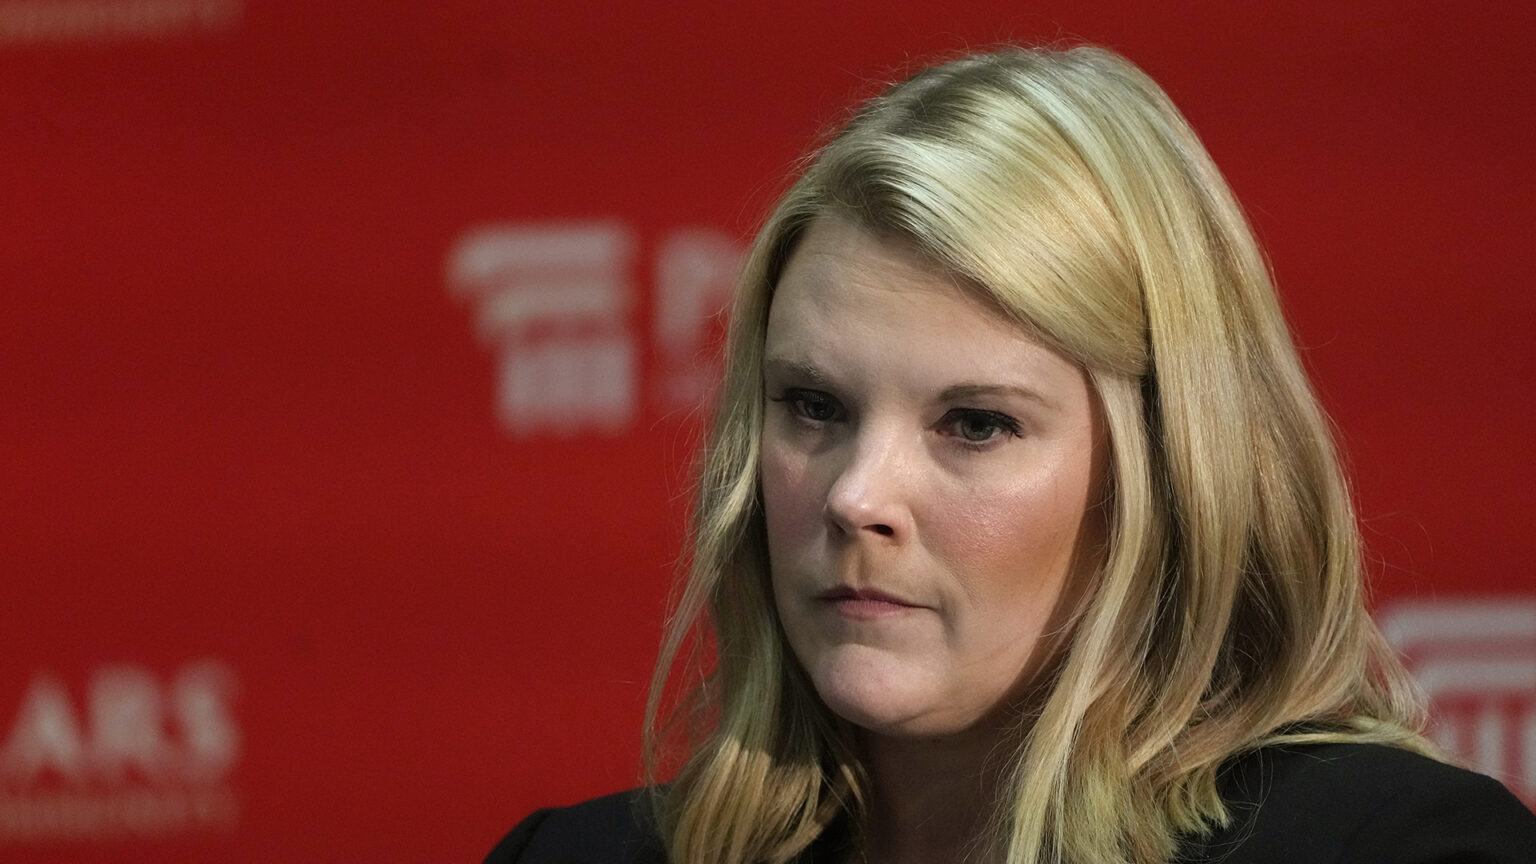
x=127, y=723
x=554, y=302
x=1475, y=659
x=45, y=736
x=113, y=20
x=200, y=702
x=696, y=271
x=134, y=757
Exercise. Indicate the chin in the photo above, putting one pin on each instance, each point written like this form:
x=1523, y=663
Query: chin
x=884, y=697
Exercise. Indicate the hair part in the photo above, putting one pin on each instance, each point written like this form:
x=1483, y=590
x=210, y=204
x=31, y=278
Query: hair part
x=1067, y=191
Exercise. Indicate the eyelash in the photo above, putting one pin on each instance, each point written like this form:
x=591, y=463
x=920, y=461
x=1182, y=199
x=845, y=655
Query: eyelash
x=796, y=401
x=953, y=419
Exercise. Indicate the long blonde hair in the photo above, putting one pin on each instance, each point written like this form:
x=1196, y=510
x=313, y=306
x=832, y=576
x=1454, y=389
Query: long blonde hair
x=1066, y=188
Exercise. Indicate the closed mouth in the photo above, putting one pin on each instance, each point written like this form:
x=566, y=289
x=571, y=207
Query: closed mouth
x=865, y=602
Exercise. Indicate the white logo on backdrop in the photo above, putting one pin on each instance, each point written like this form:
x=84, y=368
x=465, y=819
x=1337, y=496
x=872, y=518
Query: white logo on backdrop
x=136, y=757
x=555, y=301
x=113, y=20
x=695, y=275
x=1475, y=659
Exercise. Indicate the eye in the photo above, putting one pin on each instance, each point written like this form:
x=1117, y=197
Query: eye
x=977, y=426
x=810, y=405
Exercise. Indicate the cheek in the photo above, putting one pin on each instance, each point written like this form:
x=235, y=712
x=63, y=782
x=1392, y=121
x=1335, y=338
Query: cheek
x=791, y=507
x=1019, y=539
x=792, y=518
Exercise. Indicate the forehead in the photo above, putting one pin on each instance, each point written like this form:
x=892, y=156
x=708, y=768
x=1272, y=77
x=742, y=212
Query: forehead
x=839, y=266
x=839, y=270
x=850, y=302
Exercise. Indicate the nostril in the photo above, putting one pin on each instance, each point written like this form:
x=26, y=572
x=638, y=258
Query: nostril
x=882, y=530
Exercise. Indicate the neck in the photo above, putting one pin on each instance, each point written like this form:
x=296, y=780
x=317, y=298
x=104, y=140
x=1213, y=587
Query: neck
x=929, y=798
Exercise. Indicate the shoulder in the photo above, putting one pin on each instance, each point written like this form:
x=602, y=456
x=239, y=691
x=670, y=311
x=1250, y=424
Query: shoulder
x=1363, y=803
x=614, y=829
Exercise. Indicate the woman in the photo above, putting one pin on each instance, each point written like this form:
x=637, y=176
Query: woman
x=1020, y=536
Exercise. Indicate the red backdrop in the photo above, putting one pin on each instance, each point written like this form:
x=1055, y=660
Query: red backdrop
x=349, y=355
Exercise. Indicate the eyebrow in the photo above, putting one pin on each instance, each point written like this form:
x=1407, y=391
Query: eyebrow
x=802, y=369
x=816, y=377
x=963, y=392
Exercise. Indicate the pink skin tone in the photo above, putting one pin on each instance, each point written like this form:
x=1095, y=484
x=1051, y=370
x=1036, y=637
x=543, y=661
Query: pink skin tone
x=930, y=481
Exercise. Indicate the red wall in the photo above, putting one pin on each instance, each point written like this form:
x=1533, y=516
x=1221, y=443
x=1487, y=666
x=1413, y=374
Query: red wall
x=320, y=540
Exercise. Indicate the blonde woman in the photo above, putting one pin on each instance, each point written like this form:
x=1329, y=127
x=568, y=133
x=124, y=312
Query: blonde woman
x=1020, y=536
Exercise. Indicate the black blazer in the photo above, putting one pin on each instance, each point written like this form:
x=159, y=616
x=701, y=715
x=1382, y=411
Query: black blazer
x=1315, y=804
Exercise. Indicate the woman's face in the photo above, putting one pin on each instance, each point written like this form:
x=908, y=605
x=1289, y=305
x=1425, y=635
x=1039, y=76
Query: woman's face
x=930, y=486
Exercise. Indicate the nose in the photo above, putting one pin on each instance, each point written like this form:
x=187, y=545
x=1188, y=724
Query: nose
x=867, y=496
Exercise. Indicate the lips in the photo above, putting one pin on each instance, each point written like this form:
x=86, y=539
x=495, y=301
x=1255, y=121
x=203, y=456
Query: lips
x=865, y=603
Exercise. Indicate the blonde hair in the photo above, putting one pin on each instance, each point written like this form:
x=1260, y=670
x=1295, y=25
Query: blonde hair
x=1068, y=190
